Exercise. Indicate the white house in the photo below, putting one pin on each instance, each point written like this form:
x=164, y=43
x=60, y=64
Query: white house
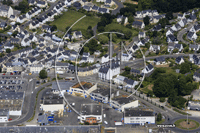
x=6, y=11
x=36, y=68
x=179, y=60
x=77, y=35
x=139, y=116
x=148, y=69
x=141, y=35
x=42, y=4
x=159, y=60
x=106, y=72
x=121, y=18
x=193, y=47
x=192, y=35
x=25, y=42
x=154, y=48
x=104, y=58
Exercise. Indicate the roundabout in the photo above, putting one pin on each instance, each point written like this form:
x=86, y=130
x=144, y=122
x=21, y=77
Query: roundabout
x=187, y=125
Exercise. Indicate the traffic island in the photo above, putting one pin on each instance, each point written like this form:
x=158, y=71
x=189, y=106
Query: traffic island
x=183, y=124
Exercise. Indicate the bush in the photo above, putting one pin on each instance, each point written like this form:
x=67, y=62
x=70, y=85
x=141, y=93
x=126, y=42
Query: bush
x=162, y=99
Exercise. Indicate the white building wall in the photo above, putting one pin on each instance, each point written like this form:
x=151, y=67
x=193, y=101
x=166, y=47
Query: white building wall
x=139, y=120
x=130, y=105
x=52, y=107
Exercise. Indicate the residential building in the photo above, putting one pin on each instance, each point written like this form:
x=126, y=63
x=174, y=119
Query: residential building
x=149, y=68
x=106, y=72
x=192, y=105
x=192, y=35
x=6, y=11
x=179, y=60
x=154, y=48
x=35, y=68
x=196, y=76
x=159, y=60
x=105, y=58
x=194, y=47
x=138, y=24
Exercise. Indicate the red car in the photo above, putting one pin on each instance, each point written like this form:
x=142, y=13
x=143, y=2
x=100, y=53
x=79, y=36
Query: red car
x=11, y=73
x=4, y=74
x=10, y=119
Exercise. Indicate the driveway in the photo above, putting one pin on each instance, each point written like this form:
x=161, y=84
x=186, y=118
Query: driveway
x=120, y=5
x=184, y=31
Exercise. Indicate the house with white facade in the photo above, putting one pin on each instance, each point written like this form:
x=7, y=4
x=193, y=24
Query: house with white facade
x=6, y=11
x=106, y=72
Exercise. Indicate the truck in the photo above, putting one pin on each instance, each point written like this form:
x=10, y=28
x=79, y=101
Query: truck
x=60, y=72
x=118, y=123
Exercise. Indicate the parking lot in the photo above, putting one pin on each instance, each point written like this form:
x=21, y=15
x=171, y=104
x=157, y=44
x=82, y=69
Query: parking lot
x=12, y=83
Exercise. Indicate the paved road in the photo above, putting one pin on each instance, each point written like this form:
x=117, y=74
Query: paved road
x=184, y=31
x=120, y=5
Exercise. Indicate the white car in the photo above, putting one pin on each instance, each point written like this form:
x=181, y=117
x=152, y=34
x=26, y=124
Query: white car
x=105, y=122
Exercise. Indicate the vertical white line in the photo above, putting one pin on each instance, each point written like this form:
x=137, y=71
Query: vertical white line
x=110, y=62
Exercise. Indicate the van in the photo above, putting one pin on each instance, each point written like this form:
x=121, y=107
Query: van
x=105, y=122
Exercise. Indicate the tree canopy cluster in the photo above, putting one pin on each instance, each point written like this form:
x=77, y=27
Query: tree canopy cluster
x=105, y=20
x=165, y=6
x=172, y=86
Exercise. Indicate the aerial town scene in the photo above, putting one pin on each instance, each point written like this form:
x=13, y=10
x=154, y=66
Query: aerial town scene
x=99, y=66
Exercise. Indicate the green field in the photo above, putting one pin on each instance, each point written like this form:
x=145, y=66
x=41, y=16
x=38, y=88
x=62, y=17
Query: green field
x=68, y=18
x=116, y=26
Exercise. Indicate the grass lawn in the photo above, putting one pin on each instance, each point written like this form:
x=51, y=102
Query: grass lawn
x=182, y=123
x=70, y=17
x=116, y=26
x=97, y=3
x=160, y=122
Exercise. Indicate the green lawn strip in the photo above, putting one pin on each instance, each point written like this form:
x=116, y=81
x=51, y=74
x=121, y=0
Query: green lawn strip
x=35, y=105
x=183, y=113
x=160, y=122
x=177, y=123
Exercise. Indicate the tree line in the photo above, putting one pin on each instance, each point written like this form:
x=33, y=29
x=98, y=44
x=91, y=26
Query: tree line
x=165, y=6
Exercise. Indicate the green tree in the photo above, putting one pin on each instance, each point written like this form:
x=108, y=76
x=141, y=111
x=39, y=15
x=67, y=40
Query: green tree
x=103, y=39
x=185, y=67
x=53, y=28
x=8, y=50
x=43, y=74
x=162, y=99
x=146, y=20
x=159, y=117
x=130, y=19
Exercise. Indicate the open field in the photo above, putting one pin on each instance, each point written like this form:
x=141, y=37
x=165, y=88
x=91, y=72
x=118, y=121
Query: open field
x=68, y=18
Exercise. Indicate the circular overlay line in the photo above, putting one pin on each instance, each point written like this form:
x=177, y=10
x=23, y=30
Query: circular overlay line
x=76, y=72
